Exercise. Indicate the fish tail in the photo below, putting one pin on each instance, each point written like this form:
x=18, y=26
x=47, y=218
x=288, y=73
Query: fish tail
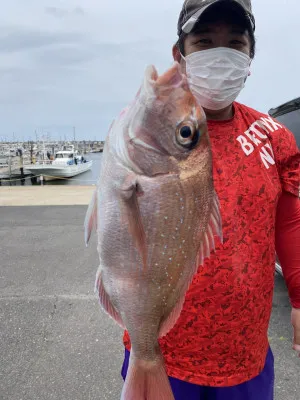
x=146, y=380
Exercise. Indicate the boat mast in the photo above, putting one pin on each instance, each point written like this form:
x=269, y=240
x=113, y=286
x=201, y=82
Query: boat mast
x=74, y=135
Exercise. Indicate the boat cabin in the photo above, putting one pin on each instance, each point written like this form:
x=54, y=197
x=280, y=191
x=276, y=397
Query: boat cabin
x=68, y=157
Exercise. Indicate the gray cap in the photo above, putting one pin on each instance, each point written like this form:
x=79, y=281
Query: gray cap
x=193, y=9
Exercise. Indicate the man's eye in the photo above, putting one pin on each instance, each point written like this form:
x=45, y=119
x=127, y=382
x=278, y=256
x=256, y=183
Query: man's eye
x=204, y=41
x=237, y=42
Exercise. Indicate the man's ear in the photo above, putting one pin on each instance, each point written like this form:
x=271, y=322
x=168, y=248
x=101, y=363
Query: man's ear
x=176, y=53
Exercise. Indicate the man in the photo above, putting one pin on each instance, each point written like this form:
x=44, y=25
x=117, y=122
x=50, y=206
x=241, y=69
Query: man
x=218, y=349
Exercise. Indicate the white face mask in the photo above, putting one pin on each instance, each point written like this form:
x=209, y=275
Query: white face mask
x=217, y=76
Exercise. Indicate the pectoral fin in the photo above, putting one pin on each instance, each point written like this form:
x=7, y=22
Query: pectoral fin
x=130, y=210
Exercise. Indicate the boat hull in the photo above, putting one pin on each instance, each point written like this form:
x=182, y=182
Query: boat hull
x=52, y=172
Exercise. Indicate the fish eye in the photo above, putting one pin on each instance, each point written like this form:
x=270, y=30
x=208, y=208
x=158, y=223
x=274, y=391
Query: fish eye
x=187, y=135
x=186, y=132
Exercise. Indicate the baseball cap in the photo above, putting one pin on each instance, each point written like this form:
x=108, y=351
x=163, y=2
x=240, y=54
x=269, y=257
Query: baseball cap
x=193, y=9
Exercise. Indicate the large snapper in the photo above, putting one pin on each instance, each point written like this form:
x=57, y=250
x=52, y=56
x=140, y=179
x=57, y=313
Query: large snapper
x=156, y=214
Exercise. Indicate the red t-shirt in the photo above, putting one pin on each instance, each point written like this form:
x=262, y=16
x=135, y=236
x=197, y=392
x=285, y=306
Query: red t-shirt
x=220, y=338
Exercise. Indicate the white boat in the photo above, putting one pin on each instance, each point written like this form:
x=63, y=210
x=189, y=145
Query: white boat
x=67, y=164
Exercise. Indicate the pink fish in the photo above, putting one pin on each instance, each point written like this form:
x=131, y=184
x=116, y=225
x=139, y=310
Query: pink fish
x=156, y=214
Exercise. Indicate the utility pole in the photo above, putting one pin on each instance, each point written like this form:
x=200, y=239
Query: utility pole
x=31, y=152
x=9, y=167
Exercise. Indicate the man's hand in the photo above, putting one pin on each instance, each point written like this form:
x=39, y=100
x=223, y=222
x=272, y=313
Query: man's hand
x=296, y=325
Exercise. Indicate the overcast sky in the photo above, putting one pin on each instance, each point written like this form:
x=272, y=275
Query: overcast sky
x=77, y=63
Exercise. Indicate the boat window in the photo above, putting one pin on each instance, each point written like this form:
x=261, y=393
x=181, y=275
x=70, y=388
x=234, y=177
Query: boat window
x=59, y=156
x=71, y=155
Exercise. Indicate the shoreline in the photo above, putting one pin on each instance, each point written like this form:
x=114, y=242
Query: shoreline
x=60, y=195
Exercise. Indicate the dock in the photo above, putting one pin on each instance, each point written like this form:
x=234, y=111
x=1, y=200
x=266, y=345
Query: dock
x=45, y=195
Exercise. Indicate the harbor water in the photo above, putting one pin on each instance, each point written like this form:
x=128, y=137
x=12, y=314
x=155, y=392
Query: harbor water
x=85, y=179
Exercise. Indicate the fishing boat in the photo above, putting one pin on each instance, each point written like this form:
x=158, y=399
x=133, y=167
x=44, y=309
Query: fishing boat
x=66, y=164
x=100, y=150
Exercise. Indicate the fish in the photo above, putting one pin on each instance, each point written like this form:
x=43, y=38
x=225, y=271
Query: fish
x=157, y=215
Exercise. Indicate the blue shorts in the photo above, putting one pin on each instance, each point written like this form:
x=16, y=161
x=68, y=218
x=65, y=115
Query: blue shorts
x=258, y=388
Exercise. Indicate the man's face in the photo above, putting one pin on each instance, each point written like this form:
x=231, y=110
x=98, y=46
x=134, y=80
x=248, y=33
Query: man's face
x=218, y=34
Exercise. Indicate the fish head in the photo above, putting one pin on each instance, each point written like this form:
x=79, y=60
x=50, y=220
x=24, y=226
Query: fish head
x=166, y=123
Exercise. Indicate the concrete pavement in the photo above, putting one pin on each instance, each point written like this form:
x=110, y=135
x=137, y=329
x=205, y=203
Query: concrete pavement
x=55, y=342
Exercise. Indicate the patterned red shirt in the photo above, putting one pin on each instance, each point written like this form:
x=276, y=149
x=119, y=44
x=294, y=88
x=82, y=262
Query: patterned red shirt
x=220, y=338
